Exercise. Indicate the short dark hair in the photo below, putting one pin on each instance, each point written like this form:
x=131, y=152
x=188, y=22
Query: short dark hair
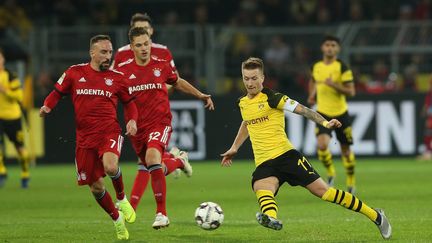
x=136, y=31
x=330, y=38
x=253, y=63
x=98, y=38
x=140, y=17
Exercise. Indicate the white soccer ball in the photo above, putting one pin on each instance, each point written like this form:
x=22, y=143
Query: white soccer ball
x=209, y=215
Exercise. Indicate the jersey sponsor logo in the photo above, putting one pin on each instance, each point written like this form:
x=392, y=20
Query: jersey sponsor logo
x=157, y=72
x=260, y=106
x=82, y=79
x=143, y=87
x=108, y=81
x=97, y=92
x=60, y=80
x=257, y=120
x=132, y=76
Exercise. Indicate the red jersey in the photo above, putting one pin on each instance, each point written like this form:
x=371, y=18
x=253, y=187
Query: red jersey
x=125, y=55
x=94, y=96
x=147, y=85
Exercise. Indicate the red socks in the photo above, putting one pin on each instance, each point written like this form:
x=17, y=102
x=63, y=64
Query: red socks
x=159, y=187
x=105, y=201
x=139, y=185
x=172, y=164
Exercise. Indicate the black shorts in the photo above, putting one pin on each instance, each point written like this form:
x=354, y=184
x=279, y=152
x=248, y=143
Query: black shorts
x=343, y=133
x=13, y=130
x=291, y=167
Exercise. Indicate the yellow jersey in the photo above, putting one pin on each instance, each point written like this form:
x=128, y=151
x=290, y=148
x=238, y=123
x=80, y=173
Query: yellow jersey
x=265, y=122
x=330, y=102
x=10, y=100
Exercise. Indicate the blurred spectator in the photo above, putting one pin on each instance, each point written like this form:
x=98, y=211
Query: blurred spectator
x=12, y=16
x=201, y=15
x=422, y=10
x=323, y=16
x=302, y=10
x=405, y=12
x=356, y=11
x=65, y=12
x=379, y=78
x=277, y=54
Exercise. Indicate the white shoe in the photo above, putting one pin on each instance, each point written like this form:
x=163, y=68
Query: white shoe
x=177, y=173
x=187, y=168
x=174, y=151
x=161, y=221
x=385, y=227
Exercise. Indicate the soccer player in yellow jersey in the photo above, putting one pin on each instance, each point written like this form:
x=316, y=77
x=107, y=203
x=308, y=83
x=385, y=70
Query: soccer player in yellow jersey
x=11, y=95
x=331, y=83
x=276, y=160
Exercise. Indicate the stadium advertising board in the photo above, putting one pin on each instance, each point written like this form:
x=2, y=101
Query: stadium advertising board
x=380, y=128
x=188, y=125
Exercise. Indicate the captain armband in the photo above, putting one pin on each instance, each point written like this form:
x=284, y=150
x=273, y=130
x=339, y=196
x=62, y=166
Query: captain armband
x=290, y=105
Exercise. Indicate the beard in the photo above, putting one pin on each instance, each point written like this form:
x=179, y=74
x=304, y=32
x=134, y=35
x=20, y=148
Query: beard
x=104, y=66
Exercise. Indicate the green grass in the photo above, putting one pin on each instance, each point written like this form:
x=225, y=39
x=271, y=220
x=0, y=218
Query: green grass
x=55, y=209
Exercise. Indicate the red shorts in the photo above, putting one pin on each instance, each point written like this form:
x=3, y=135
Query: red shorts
x=156, y=137
x=88, y=161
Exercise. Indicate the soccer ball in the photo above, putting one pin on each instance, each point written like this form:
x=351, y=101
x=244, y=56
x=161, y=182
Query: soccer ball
x=209, y=215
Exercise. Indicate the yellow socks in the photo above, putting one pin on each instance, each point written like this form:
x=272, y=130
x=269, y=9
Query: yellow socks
x=326, y=158
x=267, y=203
x=350, y=202
x=349, y=164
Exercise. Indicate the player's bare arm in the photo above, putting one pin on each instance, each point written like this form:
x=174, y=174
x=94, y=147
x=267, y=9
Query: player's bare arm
x=2, y=88
x=312, y=92
x=347, y=88
x=185, y=87
x=242, y=135
x=316, y=117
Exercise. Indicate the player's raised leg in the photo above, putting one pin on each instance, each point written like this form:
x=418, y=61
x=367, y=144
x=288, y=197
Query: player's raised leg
x=110, y=163
x=320, y=189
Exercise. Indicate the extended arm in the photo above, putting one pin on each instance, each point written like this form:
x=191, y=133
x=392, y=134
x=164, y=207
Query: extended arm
x=131, y=112
x=347, y=88
x=316, y=117
x=242, y=135
x=12, y=93
x=50, y=102
x=312, y=92
x=185, y=87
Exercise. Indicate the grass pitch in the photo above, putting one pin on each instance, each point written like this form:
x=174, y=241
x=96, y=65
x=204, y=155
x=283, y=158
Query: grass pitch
x=55, y=209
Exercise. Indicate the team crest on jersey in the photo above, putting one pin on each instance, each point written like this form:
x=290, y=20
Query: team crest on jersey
x=157, y=72
x=260, y=106
x=108, y=81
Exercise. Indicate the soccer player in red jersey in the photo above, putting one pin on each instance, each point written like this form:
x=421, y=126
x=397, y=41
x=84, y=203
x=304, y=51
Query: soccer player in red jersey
x=146, y=78
x=174, y=160
x=95, y=92
x=125, y=55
